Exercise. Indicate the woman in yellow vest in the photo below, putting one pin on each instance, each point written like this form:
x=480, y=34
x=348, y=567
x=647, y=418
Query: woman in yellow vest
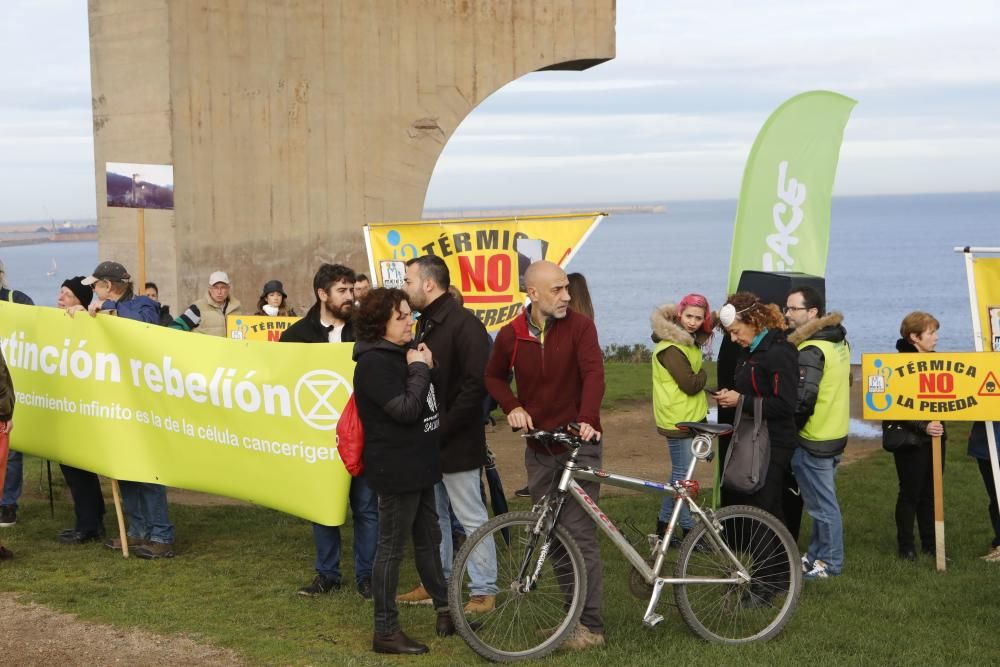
x=679, y=334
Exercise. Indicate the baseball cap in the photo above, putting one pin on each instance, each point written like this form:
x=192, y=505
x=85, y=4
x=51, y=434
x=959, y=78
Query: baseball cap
x=218, y=277
x=107, y=271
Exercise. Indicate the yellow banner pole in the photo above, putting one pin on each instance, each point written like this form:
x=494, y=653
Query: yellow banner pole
x=938, y=503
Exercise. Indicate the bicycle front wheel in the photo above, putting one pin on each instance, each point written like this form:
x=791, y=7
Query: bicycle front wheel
x=527, y=622
x=754, y=610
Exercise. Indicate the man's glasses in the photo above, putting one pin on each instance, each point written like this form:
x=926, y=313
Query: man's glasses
x=788, y=308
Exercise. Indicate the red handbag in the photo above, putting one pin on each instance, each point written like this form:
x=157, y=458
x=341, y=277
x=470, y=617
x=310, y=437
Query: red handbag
x=351, y=438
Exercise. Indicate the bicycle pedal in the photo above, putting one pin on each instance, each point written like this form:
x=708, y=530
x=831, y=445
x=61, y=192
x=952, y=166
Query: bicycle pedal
x=652, y=620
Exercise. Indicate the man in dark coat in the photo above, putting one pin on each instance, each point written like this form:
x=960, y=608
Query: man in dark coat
x=461, y=348
x=329, y=321
x=15, y=462
x=6, y=419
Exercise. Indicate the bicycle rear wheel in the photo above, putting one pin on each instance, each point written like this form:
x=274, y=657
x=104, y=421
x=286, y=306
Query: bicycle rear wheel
x=523, y=625
x=755, y=610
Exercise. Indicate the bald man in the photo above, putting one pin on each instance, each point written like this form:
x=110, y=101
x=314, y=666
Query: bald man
x=559, y=369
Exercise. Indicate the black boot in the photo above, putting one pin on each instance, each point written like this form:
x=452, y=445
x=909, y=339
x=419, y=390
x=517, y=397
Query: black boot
x=397, y=643
x=661, y=527
x=444, y=625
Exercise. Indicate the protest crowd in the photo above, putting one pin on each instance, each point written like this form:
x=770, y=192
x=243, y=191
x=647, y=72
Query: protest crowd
x=428, y=375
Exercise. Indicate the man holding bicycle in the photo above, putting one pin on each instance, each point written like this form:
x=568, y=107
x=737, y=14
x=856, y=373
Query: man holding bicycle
x=553, y=355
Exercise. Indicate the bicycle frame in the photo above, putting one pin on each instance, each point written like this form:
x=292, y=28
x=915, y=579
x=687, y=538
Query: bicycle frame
x=701, y=447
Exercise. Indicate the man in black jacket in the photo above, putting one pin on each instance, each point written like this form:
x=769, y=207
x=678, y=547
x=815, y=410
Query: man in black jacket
x=822, y=414
x=329, y=321
x=461, y=348
x=6, y=418
x=15, y=462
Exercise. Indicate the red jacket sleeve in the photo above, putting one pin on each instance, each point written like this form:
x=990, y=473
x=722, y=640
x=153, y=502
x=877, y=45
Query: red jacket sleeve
x=590, y=360
x=497, y=376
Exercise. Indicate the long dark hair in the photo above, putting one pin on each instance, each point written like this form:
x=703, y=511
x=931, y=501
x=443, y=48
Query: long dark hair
x=579, y=295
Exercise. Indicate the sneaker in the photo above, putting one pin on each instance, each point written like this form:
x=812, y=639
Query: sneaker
x=480, y=604
x=582, y=638
x=8, y=516
x=418, y=595
x=154, y=550
x=806, y=564
x=115, y=543
x=365, y=588
x=993, y=556
x=319, y=586
x=819, y=571
x=523, y=493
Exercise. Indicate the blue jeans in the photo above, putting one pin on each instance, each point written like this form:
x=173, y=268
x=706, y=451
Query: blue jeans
x=145, y=506
x=364, y=509
x=817, y=484
x=680, y=459
x=15, y=477
x=462, y=490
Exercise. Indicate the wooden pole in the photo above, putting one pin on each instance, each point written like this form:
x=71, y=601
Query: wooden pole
x=140, y=284
x=938, y=503
x=116, y=492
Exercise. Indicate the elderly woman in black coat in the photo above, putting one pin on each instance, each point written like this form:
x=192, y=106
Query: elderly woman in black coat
x=399, y=412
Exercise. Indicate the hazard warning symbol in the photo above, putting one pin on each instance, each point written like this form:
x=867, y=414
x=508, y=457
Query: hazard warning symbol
x=990, y=386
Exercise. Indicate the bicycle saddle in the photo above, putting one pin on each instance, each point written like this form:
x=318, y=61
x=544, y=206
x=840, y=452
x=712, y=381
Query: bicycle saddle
x=705, y=427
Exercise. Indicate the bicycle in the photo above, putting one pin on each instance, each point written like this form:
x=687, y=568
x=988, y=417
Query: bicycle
x=737, y=577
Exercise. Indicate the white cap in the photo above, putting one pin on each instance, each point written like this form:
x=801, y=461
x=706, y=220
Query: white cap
x=727, y=315
x=219, y=277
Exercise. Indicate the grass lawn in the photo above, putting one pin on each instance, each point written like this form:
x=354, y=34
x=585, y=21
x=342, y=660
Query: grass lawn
x=233, y=584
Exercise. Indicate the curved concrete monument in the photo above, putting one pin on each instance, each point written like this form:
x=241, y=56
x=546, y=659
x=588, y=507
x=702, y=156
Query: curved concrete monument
x=291, y=123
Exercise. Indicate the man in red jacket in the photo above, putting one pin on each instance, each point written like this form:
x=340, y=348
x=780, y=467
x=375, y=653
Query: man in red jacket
x=559, y=371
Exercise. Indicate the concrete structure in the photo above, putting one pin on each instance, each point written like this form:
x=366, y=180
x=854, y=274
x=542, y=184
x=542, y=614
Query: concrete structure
x=291, y=123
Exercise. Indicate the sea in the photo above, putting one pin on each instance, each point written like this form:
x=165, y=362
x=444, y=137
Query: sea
x=888, y=255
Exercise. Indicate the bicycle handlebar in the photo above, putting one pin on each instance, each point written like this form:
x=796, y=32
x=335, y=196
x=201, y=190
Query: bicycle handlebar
x=562, y=436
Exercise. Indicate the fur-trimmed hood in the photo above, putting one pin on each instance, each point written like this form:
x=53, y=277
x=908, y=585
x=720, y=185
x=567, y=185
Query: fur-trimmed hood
x=817, y=329
x=664, y=321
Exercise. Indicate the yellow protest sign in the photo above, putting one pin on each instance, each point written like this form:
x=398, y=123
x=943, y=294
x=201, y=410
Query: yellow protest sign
x=487, y=257
x=986, y=272
x=258, y=327
x=941, y=386
x=141, y=402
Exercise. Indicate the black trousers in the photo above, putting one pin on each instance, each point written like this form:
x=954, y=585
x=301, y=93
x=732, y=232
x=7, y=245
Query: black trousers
x=773, y=575
x=914, y=468
x=399, y=516
x=88, y=500
x=986, y=470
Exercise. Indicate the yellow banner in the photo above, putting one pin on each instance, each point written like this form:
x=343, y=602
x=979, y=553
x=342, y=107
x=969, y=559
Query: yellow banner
x=486, y=257
x=961, y=386
x=141, y=402
x=258, y=327
x=986, y=272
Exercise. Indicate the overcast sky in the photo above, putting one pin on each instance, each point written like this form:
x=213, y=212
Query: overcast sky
x=672, y=117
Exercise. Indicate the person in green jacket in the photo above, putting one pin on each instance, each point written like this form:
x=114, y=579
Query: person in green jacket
x=680, y=332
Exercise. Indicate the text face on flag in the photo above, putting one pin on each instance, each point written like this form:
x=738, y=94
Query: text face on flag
x=944, y=386
x=141, y=402
x=487, y=258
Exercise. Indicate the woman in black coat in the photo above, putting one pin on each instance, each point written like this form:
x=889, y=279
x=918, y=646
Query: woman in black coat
x=768, y=367
x=914, y=462
x=398, y=409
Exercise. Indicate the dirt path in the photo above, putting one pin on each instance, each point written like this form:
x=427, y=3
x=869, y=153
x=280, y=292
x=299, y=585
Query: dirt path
x=35, y=635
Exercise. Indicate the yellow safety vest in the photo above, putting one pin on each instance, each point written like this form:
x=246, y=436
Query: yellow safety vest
x=830, y=420
x=670, y=404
